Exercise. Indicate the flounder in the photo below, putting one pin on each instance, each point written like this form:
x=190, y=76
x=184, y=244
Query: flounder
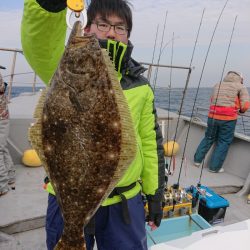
x=83, y=133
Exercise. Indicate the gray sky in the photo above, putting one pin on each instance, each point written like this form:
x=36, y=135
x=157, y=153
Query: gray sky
x=183, y=20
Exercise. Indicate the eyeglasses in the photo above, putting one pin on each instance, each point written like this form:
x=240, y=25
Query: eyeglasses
x=105, y=27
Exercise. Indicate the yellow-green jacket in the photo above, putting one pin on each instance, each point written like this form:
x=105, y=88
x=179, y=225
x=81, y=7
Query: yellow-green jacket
x=43, y=36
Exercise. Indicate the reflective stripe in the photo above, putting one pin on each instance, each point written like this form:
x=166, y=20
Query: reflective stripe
x=48, y=187
x=119, y=57
x=111, y=47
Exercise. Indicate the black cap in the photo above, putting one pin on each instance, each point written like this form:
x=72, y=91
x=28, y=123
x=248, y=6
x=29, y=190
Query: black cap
x=2, y=67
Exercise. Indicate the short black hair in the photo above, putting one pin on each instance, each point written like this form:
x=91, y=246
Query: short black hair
x=106, y=8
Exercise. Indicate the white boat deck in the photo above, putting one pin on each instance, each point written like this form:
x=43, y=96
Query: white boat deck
x=23, y=106
x=190, y=175
x=22, y=211
x=24, y=207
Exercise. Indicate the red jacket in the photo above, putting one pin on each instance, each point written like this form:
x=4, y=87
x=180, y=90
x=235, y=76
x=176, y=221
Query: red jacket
x=228, y=98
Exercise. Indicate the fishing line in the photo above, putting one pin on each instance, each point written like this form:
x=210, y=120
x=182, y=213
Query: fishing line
x=196, y=95
x=150, y=69
x=184, y=92
x=222, y=74
x=150, y=236
x=159, y=58
x=191, y=218
x=223, y=70
x=170, y=83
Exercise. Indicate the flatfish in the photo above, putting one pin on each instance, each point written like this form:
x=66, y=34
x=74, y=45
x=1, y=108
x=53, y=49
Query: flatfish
x=83, y=133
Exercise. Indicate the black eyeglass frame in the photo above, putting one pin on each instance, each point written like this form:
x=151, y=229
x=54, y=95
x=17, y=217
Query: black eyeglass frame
x=124, y=32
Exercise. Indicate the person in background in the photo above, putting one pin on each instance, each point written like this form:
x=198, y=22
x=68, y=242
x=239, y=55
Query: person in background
x=117, y=225
x=7, y=171
x=228, y=98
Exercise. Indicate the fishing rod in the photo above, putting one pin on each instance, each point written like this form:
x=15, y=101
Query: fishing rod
x=222, y=74
x=161, y=65
x=159, y=58
x=196, y=95
x=165, y=46
x=169, y=98
x=223, y=70
x=184, y=92
x=150, y=69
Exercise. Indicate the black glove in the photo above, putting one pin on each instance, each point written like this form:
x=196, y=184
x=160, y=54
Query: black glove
x=155, y=212
x=52, y=5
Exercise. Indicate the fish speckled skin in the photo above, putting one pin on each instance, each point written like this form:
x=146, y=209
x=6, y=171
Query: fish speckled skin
x=86, y=134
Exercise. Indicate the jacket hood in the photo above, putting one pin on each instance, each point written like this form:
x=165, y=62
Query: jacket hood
x=132, y=67
x=233, y=76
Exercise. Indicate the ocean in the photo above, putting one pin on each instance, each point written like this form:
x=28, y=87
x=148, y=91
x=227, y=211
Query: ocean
x=172, y=100
x=200, y=109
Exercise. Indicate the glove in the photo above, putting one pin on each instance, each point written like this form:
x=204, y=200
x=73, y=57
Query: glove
x=52, y=5
x=241, y=112
x=155, y=213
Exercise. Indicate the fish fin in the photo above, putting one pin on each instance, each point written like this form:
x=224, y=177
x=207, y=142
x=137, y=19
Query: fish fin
x=35, y=131
x=129, y=144
x=39, y=107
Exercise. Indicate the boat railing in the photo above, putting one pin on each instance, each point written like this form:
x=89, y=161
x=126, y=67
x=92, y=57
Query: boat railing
x=151, y=66
x=243, y=123
x=13, y=74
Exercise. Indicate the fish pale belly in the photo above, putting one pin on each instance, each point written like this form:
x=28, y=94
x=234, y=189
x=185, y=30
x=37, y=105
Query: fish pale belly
x=87, y=139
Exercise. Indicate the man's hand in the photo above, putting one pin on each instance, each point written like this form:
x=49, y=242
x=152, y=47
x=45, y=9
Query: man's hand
x=155, y=214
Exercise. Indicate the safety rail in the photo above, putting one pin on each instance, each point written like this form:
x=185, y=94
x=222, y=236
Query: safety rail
x=12, y=72
x=243, y=123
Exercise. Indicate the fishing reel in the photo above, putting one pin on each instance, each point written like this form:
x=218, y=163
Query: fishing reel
x=196, y=193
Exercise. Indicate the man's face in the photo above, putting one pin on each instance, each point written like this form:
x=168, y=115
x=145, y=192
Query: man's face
x=112, y=28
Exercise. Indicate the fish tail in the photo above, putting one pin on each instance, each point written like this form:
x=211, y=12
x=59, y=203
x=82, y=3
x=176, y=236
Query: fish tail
x=65, y=244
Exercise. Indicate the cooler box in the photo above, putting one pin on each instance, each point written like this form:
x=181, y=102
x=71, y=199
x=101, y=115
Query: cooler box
x=175, y=228
x=212, y=207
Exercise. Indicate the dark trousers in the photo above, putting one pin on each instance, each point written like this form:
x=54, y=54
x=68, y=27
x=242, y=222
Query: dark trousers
x=111, y=233
x=219, y=132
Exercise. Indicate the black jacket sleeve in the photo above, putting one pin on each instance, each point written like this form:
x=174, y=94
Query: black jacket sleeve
x=52, y=5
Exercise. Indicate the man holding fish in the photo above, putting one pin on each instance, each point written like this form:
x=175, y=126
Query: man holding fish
x=119, y=223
